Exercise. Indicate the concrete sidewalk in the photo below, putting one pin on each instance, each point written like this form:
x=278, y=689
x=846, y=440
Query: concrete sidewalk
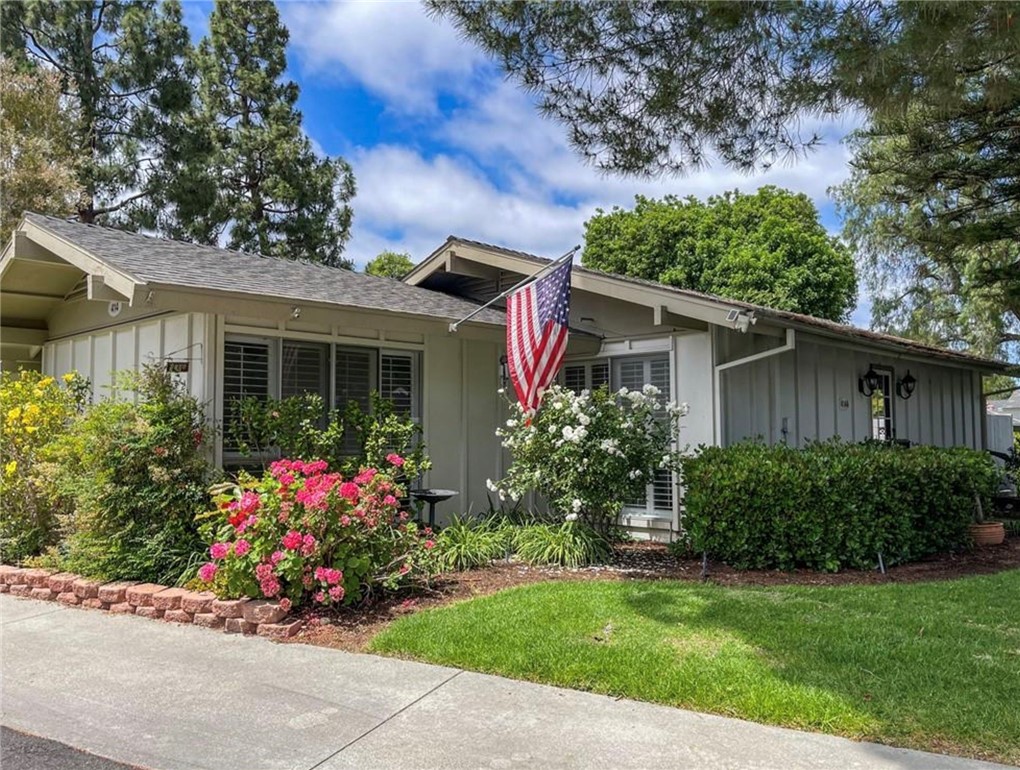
x=164, y=696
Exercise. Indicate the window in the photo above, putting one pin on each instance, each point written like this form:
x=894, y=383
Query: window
x=269, y=368
x=246, y=374
x=304, y=369
x=882, y=428
x=634, y=374
x=586, y=376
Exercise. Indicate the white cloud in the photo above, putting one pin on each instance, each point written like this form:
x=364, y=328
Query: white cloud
x=391, y=48
x=409, y=202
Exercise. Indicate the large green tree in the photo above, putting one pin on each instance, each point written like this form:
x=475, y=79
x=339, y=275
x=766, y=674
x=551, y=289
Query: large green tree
x=390, y=264
x=254, y=180
x=767, y=248
x=647, y=87
x=38, y=162
x=121, y=62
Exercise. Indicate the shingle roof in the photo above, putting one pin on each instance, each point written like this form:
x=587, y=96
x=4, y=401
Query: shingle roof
x=175, y=263
x=764, y=312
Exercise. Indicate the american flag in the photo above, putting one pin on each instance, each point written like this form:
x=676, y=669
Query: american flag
x=536, y=334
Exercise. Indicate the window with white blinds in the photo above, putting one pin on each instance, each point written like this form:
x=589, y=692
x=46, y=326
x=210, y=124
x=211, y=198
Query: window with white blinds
x=357, y=375
x=270, y=368
x=588, y=375
x=304, y=368
x=634, y=374
x=247, y=366
x=398, y=381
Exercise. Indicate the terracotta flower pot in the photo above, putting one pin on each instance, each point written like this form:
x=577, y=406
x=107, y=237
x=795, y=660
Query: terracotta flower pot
x=988, y=533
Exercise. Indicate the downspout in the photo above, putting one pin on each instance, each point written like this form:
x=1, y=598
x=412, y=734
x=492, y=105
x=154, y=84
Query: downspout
x=790, y=344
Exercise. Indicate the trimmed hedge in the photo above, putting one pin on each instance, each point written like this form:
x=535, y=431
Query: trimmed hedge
x=833, y=504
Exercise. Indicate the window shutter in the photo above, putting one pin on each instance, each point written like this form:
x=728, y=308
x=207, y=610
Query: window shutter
x=573, y=377
x=397, y=382
x=304, y=370
x=355, y=376
x=245, y=375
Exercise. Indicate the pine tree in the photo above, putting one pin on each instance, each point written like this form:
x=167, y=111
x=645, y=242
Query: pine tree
x=121, y=63
x=257, y=184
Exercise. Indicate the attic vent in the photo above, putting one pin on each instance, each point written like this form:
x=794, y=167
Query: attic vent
x=80, y=290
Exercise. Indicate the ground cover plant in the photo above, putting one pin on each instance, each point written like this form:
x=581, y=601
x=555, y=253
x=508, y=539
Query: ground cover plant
x=927, y=665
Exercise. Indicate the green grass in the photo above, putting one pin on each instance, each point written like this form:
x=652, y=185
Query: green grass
x=933, y=666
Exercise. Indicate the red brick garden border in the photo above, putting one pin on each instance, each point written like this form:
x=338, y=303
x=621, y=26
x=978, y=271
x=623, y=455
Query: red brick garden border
x=149, y=600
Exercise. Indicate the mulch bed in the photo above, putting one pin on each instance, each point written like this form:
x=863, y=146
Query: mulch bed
x=351, y=629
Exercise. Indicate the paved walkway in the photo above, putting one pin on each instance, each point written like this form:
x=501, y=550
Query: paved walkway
x=164, y=696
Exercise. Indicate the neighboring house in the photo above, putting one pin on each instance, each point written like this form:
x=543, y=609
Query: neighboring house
x=1008, y=406
x=96, y=300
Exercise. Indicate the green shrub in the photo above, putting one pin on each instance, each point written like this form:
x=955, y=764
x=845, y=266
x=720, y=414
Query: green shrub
x=570, y=544
x=300, y=428
x=831, y=505
x=303, y=535
x=136, y=476
x=467, y=543
x=36, y=411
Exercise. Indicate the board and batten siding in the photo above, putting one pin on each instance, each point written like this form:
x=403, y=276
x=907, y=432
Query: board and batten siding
x=127, y=347
x=810, y=393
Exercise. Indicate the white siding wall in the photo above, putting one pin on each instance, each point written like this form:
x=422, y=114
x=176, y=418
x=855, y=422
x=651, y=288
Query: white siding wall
x=127, y=347
x=812, y=393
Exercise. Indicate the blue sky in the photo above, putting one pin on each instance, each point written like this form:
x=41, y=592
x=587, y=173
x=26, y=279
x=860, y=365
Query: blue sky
x=441, y=144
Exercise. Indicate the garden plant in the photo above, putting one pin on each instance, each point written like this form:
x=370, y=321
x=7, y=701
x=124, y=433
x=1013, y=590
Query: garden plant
x=303, y=534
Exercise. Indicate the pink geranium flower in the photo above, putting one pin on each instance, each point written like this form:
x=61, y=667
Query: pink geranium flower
x=241, y=547
x=285, y=604
x=394, y=459
x=292, y=540
x=365, y=476
x=336, y=593
x=219, y=550
x=207, y=572
x=389, y=500
x=350, y=491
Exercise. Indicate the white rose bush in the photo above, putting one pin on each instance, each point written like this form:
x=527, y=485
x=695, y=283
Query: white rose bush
x=588, y=453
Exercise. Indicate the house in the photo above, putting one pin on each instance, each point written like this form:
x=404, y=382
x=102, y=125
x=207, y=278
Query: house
x=96, y=300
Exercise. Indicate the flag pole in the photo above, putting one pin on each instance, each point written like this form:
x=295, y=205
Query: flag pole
x=534, y=276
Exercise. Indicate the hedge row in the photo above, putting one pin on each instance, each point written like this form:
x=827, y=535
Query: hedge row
x=833, y=504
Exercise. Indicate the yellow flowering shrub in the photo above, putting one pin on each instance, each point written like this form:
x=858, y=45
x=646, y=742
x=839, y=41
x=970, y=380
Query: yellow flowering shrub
x=35, y=410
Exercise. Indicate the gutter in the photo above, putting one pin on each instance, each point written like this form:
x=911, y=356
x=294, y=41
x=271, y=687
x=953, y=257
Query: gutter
x=786, y=347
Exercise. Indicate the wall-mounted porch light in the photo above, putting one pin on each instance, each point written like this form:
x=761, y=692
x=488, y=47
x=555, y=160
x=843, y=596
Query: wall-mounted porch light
x=504, y=371
x=869, y=383
x=905, y=387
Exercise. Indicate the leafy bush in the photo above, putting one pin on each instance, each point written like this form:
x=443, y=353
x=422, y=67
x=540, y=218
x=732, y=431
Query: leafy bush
x=831, y=505
x=300, y=428
x=570, y=544
x=302, y=534
x=466, y=543
x=36, y=410
x=588, y=453
x=136, y=476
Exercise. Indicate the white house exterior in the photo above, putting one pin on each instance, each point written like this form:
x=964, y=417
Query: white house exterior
x=87, y=298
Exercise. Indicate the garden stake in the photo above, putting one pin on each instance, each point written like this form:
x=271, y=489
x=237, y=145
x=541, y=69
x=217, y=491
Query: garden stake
x=881, y=564
x=704, y=565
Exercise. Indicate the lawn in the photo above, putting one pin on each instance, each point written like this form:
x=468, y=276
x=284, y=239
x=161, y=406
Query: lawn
x=933, y=666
